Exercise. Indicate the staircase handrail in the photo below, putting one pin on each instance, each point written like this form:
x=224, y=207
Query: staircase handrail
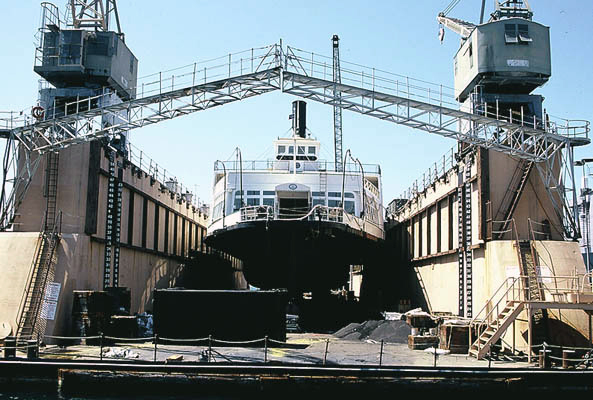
x=24, y=293
x=504, y=296
x=52, y=236
x=491, y=299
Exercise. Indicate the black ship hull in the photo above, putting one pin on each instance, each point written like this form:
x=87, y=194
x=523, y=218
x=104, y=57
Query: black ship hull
x=301, y=256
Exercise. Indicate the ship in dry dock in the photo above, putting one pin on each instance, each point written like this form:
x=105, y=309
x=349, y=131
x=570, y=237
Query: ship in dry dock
x=296, y=221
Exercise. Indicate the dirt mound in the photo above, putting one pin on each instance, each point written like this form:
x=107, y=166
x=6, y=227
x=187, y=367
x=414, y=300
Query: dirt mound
x=388, y=331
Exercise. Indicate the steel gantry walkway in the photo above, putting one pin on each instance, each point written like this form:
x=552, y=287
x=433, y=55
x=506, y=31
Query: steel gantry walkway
x=210, y=83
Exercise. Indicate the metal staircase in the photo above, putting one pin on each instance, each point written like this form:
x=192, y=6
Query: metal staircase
x=495, y=329
x=513, y=194
x=527, y=262
x=41, y=273
x=505, y=306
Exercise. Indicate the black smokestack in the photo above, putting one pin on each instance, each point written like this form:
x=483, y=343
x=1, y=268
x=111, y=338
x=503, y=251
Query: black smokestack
x=299, y=118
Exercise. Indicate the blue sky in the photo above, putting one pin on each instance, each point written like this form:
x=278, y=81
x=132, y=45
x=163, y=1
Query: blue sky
x=396, y=36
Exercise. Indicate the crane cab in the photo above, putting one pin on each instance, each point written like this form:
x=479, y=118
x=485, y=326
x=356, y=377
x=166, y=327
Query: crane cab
x=507, y=56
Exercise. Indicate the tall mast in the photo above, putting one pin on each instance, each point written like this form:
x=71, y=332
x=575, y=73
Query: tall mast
x=337, y=106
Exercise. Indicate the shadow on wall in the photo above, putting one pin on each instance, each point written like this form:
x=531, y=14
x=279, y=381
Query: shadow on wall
x=164, y=274
x=562, y=334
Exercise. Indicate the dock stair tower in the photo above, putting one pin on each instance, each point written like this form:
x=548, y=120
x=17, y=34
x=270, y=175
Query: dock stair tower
x=515, y=217
x=498, y=65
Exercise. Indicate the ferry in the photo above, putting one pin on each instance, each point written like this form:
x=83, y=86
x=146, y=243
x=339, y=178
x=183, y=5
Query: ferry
x=296, y=221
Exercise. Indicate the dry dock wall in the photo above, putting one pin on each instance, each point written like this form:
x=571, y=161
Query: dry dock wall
x=159, y=231
x=424, y=241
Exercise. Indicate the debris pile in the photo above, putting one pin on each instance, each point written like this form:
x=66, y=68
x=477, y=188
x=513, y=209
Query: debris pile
x=392, y=331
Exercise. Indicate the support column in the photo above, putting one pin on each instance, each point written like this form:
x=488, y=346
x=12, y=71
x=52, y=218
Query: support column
x=529, y=332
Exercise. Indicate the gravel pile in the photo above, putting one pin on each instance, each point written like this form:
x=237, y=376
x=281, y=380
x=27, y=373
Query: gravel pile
x=388, y=331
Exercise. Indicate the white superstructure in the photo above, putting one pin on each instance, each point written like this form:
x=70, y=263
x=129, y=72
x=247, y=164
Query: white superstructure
x=297, y=185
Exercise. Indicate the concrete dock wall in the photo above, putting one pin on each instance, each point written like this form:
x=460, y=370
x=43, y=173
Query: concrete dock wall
x=159, y=231
x=16, y=259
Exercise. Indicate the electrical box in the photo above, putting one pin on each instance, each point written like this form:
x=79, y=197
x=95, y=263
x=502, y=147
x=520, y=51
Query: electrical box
x=511, y=56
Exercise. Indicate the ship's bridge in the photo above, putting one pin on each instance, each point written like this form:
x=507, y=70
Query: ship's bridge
x=300, y=149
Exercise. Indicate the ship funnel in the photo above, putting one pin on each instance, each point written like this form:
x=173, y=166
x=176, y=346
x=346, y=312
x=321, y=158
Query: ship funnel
x=299, y=118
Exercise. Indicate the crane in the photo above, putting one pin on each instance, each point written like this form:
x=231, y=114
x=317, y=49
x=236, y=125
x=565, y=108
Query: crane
x=503, y=9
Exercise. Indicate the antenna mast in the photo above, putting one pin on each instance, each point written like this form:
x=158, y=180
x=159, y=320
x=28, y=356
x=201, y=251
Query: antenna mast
x=337, y=106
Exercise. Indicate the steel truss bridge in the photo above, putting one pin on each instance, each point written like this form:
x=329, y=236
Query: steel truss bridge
x=233, y=77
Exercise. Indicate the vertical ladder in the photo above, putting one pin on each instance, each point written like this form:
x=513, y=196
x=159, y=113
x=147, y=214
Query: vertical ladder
x=323, y=181
x=117, y=228
x=51, y=189
x=460, y=237
x=41, y=273
x=468, y=240
x=513, y=194
x=111, y=198
x=464, y=235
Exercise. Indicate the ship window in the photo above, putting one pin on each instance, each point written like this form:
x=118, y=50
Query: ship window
x=471, y=56
x=290, y=149
x=311, y=150
x=334, y=194
x=253, y=201
x=318, y=194
x=253, y=193
x=268, y=202
x=281, y=149
x=216, y=212
x=523, y=31
x=238, y=193
x=237, y=204
x=301, y=149
x=510, y=34
x=349, y=207
x=318, y=201
x=269, y=193
x=333, y=203
x=349, y=195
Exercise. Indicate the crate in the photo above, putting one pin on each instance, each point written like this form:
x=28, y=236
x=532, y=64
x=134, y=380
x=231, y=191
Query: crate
x=422, y=342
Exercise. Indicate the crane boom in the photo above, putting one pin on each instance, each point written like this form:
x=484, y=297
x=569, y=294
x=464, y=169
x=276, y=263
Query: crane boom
x=463, y=28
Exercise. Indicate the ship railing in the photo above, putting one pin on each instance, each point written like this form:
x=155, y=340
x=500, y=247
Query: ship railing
x=288, y=166
x=257, y=213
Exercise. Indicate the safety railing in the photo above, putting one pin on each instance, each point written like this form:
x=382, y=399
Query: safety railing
x=539, y=230
x=184, y=78
x=156, y=349
x=257, y=213
x=512, y=289
x=438, y=170
x=377, y=80
x=573, y=129
x=288, y=166
x=504, y=229
x=151, y=168
x=206, y=349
